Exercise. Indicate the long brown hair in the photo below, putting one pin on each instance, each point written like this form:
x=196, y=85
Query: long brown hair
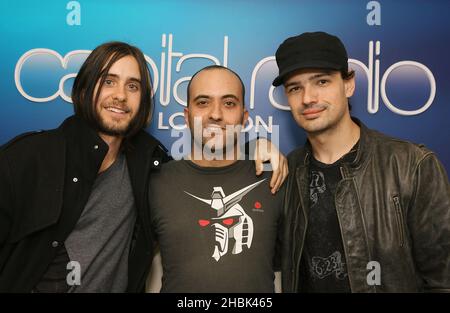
x=96, y=68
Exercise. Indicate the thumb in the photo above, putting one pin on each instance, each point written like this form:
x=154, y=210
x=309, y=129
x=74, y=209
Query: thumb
x=259, y=167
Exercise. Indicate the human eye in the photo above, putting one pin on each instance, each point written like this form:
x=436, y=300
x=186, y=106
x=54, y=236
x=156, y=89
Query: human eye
x=229, y=103
x=323, y=82
x=202, y=102
x=108, y=82
x=293, y=89
x=134, y=87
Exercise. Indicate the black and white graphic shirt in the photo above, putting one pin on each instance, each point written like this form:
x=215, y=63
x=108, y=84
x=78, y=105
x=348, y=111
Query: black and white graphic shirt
x=323, y=265
x=217, y=228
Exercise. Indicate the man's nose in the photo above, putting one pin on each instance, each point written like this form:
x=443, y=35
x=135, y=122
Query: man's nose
x=309, y=95
x=120, y=93
x=216, y=112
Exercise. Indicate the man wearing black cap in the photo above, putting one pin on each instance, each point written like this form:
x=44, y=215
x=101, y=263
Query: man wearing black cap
x=366, y=212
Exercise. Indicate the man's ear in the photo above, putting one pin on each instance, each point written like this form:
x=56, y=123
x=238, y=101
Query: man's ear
x=186, y=117
x=245, y=118
x=349, y=85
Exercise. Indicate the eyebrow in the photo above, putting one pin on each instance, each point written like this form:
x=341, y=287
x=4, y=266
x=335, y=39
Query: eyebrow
x=201, y=96
x=319, y=75
x=230, y=96
x=223, y=97
x=134, y=79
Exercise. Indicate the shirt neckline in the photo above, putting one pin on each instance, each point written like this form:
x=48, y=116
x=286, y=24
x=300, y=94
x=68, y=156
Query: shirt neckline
x=215, y=170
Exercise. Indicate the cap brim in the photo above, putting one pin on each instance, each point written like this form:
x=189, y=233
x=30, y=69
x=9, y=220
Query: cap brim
x=316, y=64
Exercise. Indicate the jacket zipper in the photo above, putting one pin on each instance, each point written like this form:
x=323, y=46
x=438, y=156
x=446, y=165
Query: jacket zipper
x=296, y=264
x=344, y=245
x=295, y=273
x=296, y=225
x=399, y=219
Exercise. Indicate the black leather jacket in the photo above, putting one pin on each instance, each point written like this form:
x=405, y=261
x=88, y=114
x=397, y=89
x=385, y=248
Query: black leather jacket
x=393, y=207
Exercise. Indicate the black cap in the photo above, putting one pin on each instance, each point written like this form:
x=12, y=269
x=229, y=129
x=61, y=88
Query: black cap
x=310, y=50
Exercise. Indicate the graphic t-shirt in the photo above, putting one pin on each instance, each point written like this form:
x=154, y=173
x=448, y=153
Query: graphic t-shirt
x=217, y=227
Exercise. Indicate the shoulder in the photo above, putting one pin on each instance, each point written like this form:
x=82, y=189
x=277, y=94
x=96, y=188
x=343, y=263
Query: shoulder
x=294, y=154
x=295, y=157
x=167, y=173
x=174, y=167
x=165, y=181
x=144, y=145
x=395, y=147
x=145, y=141
x=29, y=142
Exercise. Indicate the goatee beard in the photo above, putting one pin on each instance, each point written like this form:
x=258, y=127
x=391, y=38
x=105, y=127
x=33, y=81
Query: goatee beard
x=108, y=130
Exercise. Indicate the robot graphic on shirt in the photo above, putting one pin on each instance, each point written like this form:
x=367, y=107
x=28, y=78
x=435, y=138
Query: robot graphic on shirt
x=231, y=220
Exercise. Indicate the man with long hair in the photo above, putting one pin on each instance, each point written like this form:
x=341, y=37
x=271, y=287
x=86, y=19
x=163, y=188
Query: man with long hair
x=72, y=197
x=74, y=214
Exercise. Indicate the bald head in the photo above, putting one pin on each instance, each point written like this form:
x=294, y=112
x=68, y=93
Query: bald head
x=203, y=73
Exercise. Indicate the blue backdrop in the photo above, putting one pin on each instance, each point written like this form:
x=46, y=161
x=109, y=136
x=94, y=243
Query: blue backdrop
x=399, y=49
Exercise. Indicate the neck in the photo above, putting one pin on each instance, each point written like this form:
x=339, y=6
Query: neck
x=219, y=159
x=332, y=144
x=114, y=144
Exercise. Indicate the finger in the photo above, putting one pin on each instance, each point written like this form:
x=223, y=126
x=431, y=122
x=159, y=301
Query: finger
x=275, y=159
x=285, y=167
x=283, y=175
x=278, y=182
x=274, y=178
x=286, y=171
x=259, y=167
x=276, y=170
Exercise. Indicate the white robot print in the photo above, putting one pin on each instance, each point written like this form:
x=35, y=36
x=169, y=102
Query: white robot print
x=231, y=220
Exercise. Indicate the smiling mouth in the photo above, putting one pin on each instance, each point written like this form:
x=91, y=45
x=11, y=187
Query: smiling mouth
x=310, y=112
x=214, y=128
x=212, y=131
x=116, y=110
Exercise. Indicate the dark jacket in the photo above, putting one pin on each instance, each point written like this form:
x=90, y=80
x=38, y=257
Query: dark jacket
x=39, y=206
x=393, y=207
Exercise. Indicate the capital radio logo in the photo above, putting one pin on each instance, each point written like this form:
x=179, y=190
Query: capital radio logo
x=42, y=75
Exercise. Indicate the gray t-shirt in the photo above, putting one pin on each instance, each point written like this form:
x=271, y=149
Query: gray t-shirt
x=101, y=239
x=217, y=227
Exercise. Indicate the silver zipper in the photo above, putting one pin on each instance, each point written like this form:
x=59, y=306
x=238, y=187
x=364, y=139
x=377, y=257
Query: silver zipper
x=399, y=219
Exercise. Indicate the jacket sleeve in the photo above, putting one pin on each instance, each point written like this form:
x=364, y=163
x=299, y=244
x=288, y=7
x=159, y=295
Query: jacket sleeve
x=5, y=199
x=429, y=224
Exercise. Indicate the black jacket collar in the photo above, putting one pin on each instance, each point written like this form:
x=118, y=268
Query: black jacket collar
x=83, y=145
x=85, y=142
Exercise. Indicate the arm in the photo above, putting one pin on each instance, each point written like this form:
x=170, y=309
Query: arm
x=266, y=151
x=277, y=282
x=154, y=280
x=429, y=224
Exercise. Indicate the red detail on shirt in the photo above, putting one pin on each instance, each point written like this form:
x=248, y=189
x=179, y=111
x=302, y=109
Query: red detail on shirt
x=203, y=223
x=228, y=221
x=257, y=205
